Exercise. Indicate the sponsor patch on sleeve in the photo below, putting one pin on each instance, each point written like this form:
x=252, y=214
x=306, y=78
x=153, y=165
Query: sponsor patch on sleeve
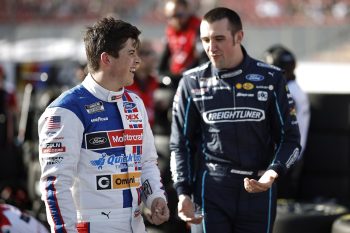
x=147, y=190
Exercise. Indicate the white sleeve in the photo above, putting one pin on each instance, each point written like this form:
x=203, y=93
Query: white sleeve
x=150, y=178
x=60, y=139
x=302, y=107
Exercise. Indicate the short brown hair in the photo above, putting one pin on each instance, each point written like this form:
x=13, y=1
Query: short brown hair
x=108, y=35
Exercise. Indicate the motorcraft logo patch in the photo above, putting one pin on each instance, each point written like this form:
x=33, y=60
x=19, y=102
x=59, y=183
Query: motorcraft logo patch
x=126, y=137
x=95, y=107
x=233, y=115
x=112, y=139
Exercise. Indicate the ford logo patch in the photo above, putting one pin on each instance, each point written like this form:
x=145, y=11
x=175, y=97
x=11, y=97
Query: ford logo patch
x=97, y=141
x=129, y=106
x=254, y=77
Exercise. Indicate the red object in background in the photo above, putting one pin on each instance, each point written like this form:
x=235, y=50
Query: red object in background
x=182, y=45
x=146, y=92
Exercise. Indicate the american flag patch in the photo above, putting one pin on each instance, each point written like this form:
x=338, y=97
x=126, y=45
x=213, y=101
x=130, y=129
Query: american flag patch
x=54, y=122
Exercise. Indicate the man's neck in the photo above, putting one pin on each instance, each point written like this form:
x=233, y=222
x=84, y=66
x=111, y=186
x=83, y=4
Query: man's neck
x=106, y=82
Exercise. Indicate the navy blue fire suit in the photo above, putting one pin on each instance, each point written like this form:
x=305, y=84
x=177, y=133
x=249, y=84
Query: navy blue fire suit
x=227, y=125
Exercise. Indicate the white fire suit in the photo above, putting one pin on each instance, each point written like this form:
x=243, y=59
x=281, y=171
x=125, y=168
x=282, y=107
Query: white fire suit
x=98, y=161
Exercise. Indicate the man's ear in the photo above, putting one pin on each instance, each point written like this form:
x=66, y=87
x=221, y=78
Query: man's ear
x=105, y=58
x=239, y=36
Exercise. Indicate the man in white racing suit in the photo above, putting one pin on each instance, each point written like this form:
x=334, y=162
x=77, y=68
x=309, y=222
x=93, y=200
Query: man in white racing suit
x=96, y=149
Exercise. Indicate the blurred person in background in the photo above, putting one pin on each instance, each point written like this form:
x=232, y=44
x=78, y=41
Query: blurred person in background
x=145, y=81
x=278, y=55
x=12, y=171
x=182, y=48
x=96, y=147
x=80, y=72
x=8, y=113
x=234, y=132
x=13, y=220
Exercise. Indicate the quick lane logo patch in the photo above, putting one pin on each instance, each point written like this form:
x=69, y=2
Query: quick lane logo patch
x=233, y=115
x=121, y=161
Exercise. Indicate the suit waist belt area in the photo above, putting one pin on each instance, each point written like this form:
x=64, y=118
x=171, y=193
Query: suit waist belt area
x=97, y=215
x=227, y=169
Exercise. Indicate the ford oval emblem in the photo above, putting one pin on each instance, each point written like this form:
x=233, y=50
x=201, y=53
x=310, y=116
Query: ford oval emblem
x=254, y=77
x=97, y=140
x=129, y=106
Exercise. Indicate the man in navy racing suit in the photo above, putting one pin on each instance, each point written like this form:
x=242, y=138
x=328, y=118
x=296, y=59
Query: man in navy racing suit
x=234, y=131
x=97, y=152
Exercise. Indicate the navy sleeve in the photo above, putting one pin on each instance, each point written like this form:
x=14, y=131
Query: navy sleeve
x=184, y=128
x=285, y=129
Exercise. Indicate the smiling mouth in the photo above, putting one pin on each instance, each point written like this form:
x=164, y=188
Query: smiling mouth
x=133, y=70
x=214, y=55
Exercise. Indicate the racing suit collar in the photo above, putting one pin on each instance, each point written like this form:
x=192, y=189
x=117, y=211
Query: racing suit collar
x=101, y=93
x=232, y=72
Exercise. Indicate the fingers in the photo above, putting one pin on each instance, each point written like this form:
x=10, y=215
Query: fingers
x=160, y=212
x=253, y=186
x=190, y=219
x=186, y=211
x=196, y=220
x=160, y=215
x=158, y=219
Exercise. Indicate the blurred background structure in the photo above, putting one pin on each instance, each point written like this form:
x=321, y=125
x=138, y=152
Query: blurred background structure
x=41, y=49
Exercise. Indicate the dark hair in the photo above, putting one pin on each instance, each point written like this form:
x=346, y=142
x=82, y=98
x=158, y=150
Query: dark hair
x=108, y=35
x=222, y=13
x=280, y=56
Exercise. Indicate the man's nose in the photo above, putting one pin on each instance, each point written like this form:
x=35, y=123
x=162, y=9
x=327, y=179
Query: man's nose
x=212, y=46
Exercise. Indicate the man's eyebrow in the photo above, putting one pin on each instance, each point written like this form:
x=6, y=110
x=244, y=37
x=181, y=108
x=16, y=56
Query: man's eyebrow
x=219, y=36
x=214, y=36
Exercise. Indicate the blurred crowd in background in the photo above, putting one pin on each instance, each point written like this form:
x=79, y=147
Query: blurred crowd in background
x=272, y=11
